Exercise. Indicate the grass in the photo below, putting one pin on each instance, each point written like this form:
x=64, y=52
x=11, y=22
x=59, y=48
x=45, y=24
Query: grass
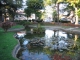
x=7, y=44
x=17, y=26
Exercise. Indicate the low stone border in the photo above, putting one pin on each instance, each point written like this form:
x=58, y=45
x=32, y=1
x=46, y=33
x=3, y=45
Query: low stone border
x=17, y=47
x=15, y=51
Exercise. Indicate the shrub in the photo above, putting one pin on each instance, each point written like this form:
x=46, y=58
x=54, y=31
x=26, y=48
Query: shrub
x=7, y=25
x=39, y=30
x=0, y=24
x=22, y=22
x=39, y=21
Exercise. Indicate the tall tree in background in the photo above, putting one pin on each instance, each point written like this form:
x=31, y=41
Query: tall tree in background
x=9, y=7
x=47, y=2
x=54, y=15
x=6, y=7
x=76, y=5
x=18, y=3
x=57, y=3
x=34, y=6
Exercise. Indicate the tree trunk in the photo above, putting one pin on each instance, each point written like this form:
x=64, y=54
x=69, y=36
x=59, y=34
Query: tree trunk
x=13, y=18
x=58, y=12
x=4, y=17
x=76, y=16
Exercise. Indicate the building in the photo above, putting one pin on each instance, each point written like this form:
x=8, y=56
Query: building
x=20, y=15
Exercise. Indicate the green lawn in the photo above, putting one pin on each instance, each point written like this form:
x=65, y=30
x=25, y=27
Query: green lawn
x=7, y=44
x=17, y=26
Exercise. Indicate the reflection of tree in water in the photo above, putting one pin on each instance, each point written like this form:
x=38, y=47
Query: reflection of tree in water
x=74, y=49
x=56, y=33
x=69, y=35
x=76, y=45
x=29, y=35
x=75, y=41
x=77, y=48
x=48, y=51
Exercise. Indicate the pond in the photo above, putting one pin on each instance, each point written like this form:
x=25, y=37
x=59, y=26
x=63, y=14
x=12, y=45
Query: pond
x=51, y=45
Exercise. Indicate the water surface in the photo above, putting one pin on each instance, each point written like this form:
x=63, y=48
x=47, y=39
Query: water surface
x=57, y=43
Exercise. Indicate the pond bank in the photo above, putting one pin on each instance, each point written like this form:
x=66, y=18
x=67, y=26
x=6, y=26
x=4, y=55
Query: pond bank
x=65, y=28
x=15, y=51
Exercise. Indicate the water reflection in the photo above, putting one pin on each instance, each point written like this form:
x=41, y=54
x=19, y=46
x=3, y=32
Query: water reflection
x=55, y=41
x=75, y=40
x=57, y=37
x=49, y=33
x=34, y=56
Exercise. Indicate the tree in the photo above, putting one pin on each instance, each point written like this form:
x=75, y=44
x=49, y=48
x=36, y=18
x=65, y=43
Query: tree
x=18, y=3
x=47, y=2
x=15, y=4
x=58, y=2
x=9, y=7
x=54, y=15
x=34, y=6
x=75, y=4
x=48, y=9
x=28, y=11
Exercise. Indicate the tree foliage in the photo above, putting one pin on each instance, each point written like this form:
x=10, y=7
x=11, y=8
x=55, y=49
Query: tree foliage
x=55, y=15
x=11, y=7
x=76, y=5
x=34, y=6
x=47, y=2
x=18, y=3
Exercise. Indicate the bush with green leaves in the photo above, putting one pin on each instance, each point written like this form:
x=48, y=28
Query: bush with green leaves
x=22, y=22
x=39, y=30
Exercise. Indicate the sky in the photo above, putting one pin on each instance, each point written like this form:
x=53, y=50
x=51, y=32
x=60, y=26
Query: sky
x=24, y=3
